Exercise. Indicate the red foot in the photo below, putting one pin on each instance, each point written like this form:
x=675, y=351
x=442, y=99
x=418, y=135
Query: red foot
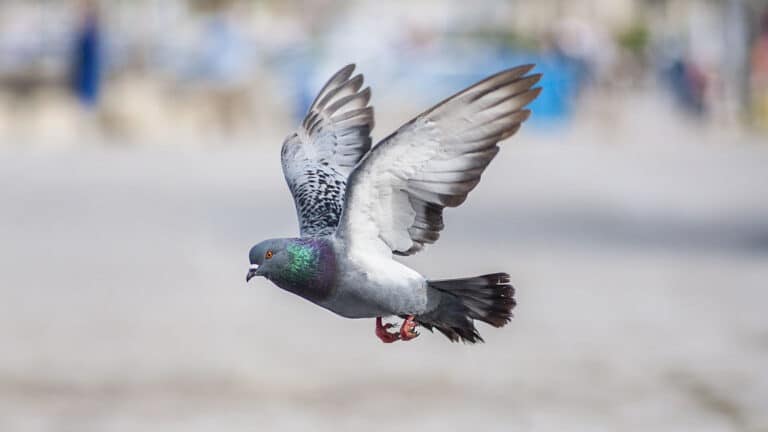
x=408, y=329
x=383, y=334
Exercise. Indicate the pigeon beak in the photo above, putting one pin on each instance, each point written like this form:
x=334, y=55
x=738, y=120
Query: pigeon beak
x=252, y=271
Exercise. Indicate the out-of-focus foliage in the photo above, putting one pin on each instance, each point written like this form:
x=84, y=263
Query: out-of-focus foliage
x=634, y=38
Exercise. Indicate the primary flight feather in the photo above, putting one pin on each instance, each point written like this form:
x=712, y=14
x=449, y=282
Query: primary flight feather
x=358, y=205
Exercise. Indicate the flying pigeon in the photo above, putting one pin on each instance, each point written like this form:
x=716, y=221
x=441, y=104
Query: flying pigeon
x=359, y=204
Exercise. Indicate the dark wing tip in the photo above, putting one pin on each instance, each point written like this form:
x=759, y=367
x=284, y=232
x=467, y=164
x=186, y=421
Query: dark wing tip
x=535, y=92
x=357, y=82
x=340, y=76
x=336, y=79
x=489, y=84
x=514, y=72
x=535, y=78
x=526, y=66
x=523, y=69
x=366, y=94
x=346, y=70
x=529, y=96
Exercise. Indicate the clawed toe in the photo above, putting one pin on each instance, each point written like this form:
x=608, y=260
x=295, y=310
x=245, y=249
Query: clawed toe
x=408, y=329
x=383, y=334
x=406, y=333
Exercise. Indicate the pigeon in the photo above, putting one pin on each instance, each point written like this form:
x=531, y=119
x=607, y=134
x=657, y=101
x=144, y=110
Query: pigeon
x=360, y=204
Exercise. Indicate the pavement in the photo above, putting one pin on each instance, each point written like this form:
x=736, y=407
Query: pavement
x=640, y=271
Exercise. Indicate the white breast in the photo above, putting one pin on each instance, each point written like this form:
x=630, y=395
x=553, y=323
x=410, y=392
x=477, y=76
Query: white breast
x=371, y=285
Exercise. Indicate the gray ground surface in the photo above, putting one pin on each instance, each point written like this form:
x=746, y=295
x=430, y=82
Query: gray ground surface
x=641, y=275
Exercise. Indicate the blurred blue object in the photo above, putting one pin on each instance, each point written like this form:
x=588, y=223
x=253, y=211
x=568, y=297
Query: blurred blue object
x=87, y=65
x=434, y=75
x=562, y=78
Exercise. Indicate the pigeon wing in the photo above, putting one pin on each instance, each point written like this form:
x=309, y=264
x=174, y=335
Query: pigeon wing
x=397, y=193
x=318, y=157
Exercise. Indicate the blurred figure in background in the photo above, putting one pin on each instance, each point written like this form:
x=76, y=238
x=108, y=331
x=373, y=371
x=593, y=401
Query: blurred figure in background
x=688, y=85
x=87, y=56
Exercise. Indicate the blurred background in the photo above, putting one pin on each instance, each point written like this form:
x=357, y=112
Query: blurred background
x=139, y=161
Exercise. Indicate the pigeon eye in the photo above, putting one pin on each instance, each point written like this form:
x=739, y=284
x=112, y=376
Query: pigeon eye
x=269, y=254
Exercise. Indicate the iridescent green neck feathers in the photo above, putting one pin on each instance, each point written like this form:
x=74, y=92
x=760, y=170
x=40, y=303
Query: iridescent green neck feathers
x=302, y=263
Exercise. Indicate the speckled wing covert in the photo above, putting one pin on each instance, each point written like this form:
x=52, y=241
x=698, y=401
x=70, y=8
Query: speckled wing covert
x=397, y=194
x=319, y=156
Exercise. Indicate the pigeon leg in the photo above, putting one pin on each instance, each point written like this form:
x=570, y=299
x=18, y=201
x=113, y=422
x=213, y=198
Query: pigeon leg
x=408, y=329
x=383, y=334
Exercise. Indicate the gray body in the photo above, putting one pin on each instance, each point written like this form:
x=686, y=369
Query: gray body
x=368, y=286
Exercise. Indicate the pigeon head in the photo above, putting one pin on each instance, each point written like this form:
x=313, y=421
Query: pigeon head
x=305, y=266
x=269, y=258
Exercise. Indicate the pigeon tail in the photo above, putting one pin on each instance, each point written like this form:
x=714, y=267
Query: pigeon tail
x=488, y=298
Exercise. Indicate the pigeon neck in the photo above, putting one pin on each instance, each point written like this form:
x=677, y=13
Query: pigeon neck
x=311, y=269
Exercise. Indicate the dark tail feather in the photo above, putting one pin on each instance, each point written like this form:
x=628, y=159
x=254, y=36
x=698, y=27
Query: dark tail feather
x=488, y=298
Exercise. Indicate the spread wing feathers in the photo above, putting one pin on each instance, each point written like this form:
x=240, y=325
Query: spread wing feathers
x=318, y=157
x=398, y=192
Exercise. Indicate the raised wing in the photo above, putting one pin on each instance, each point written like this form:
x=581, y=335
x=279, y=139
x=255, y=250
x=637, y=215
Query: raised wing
x=319, y=156
x=397, y=194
